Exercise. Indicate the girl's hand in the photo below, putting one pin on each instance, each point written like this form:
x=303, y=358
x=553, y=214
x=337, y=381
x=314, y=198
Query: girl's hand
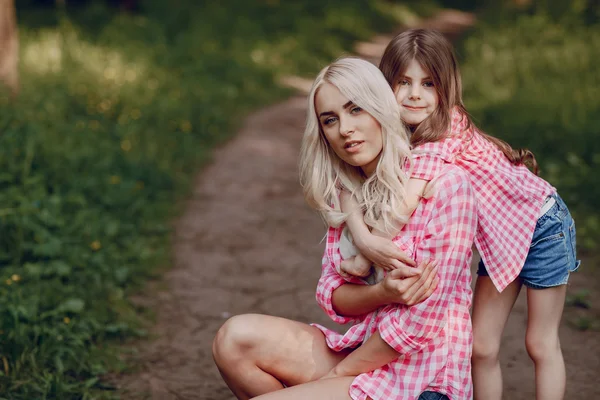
x=383, y=252
x=356, y=266
x=396, y=288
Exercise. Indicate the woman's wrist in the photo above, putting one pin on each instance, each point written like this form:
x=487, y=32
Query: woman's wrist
x=381, y=295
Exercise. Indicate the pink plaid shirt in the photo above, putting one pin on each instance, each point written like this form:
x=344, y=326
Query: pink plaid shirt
x=509, y=197
x=434, y=337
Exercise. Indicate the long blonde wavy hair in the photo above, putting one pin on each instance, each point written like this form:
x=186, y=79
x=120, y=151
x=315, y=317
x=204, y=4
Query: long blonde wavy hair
x=323, y=174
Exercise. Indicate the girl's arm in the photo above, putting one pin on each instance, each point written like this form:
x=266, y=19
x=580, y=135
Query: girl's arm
x=380, y=250
x=375, y=247
x=415, y=190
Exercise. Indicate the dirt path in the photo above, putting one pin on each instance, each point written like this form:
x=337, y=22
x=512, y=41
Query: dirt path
x=247, y=243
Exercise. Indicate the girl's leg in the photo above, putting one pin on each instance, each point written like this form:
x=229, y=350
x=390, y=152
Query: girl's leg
x=545, y=307
x=330, y=389
x=258, y=354
x=490, y=313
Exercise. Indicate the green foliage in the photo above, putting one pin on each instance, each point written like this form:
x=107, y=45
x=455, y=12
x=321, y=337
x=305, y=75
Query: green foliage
x=116, y=113
x=534, y=82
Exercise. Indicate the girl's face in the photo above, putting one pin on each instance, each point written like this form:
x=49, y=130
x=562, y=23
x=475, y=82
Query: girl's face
x=415, y=94
x=353, y=134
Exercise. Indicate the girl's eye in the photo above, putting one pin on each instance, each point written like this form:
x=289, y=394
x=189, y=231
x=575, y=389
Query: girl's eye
x=428, y=84
x=404, y=82
x=355, y=110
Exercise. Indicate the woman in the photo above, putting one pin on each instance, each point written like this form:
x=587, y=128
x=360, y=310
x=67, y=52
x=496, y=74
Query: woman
x=353, y=142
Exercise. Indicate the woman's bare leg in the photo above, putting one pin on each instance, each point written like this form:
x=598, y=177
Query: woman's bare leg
x=325, y=389
x=490, y=313
x=544, y=311
x=258, y=354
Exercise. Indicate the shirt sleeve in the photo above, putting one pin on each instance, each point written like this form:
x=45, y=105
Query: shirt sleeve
x=426, y=166
x=448, y=238
x=330, y=280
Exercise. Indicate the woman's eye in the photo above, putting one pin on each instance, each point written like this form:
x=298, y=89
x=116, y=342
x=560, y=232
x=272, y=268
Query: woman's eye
x=404, y=82
x=428, y=84
x=329, y=121
x=356, y=110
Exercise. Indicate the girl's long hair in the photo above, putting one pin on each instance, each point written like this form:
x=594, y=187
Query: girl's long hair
x=323, y=174
x=436, y=55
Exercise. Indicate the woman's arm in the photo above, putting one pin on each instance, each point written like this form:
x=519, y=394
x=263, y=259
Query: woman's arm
x=375, y=353
x=355, y=300
x=344, y=302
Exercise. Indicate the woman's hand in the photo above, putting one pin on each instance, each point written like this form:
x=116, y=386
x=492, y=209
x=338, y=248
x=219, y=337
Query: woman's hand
x=337, y=372
x=397, y=288
x=383, y=252
x=373, y=354
x=330, y=374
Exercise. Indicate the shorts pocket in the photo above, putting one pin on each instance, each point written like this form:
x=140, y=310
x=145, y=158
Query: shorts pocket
x=548, y=239
x=574, y=262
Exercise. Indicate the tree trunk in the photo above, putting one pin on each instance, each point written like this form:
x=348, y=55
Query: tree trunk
x=9, y=46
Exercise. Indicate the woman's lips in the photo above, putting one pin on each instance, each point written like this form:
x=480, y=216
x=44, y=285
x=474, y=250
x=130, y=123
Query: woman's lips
x=353, y=147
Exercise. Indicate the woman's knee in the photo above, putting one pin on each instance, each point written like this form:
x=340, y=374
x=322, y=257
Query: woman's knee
x=542, y=345
x=235, y=337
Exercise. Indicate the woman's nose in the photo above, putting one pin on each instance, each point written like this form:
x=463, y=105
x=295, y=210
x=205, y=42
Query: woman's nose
x=346, y=126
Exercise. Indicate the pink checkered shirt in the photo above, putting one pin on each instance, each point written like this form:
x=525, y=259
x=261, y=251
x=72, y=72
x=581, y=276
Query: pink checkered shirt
x=509, y=197
x=434, y=337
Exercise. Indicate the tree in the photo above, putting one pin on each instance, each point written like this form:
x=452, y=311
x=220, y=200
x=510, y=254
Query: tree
x=9, y=46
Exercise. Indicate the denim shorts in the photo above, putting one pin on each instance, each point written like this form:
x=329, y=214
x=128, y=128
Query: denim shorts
x=432, y=396
x=552, y=255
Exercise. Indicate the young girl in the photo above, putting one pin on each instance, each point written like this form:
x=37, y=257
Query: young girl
x=353, y=142
x=525, y=232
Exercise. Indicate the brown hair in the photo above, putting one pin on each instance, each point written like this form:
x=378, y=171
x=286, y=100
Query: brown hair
x=435, y=54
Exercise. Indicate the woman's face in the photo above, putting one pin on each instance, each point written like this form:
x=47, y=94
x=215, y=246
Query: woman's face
x=353, y=134
x=416, y=94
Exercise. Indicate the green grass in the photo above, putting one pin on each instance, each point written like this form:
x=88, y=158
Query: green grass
x=533, y=81
x=116, y=114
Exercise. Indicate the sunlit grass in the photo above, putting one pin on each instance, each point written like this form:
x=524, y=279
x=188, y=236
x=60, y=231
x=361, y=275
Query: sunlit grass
x=46, y=52
x=115, y=115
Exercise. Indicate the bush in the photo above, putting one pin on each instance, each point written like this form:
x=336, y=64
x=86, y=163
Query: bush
x=540, y=91
x=116, y=113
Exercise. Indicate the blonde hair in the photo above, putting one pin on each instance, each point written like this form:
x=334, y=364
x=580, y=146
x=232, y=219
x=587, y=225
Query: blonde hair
x=323, y=174
x=435, y=54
